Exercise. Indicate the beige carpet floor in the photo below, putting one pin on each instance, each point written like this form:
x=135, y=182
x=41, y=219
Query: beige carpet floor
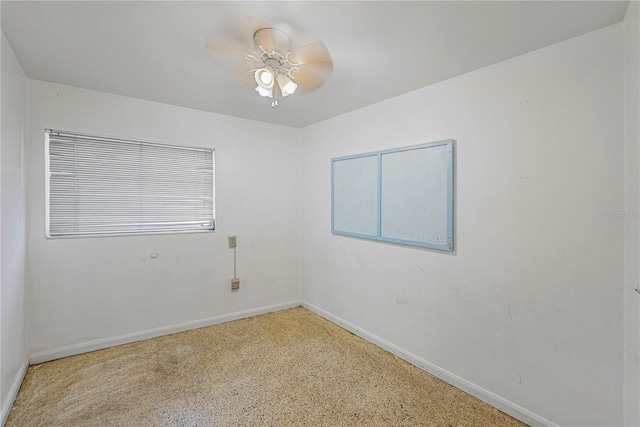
x=290, y=368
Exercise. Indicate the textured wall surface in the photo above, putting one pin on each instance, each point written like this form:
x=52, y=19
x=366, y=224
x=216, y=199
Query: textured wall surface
x=86, y=289
x=529, y=305
x=13, y=329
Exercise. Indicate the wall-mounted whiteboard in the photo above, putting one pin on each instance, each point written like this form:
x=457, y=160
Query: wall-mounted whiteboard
x=402, y=195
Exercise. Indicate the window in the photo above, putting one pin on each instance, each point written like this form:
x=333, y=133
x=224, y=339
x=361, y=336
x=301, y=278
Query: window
x=110, y=186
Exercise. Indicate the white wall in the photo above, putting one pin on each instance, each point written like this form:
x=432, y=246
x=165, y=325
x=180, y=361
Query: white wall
x=95, y=288
x=632, y=222
x=529, y=306
x=13, y=330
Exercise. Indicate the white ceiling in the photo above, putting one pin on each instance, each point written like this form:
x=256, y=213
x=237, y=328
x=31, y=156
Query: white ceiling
x=154, y=50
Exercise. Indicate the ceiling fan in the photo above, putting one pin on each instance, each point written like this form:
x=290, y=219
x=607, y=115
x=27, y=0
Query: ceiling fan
x=265, y=56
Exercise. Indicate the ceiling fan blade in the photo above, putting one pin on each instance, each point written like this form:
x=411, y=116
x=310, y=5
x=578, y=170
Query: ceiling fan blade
x=231, y=46
x=307, y=80
x=228, y=40
x=313, y=56
x=256, y=23
x=245, y=79
x=236, y=37
x=245, y=75
x=265, y=40
x=272, y=39
x=226, y=50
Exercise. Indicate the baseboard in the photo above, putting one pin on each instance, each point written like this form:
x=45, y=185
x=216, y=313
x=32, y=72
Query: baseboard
x=492, y=399
x=486, y=396
x=13, y=392
x=71, y=350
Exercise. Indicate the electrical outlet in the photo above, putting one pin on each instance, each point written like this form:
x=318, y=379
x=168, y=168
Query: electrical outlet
x=232, y=241
x=235, y=284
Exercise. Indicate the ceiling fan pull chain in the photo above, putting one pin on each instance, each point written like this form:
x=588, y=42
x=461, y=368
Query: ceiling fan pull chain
x=274, y=103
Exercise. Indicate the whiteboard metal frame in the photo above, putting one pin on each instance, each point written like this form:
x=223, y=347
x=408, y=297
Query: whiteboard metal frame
x=448, y=246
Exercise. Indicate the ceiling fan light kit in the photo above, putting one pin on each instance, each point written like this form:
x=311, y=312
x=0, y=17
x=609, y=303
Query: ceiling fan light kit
x=277, y=68
x=275, y=76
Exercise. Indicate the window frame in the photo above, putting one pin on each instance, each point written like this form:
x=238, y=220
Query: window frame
x=47, y=194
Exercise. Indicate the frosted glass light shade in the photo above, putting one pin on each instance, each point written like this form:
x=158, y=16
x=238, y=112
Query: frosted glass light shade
x=264, y=77
x=264, y=92
x=287, y=86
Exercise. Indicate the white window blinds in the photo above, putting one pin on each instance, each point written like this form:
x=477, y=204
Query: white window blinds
x=104, y=186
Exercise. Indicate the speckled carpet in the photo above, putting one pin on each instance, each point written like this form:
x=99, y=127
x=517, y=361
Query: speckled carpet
x=290, y=368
